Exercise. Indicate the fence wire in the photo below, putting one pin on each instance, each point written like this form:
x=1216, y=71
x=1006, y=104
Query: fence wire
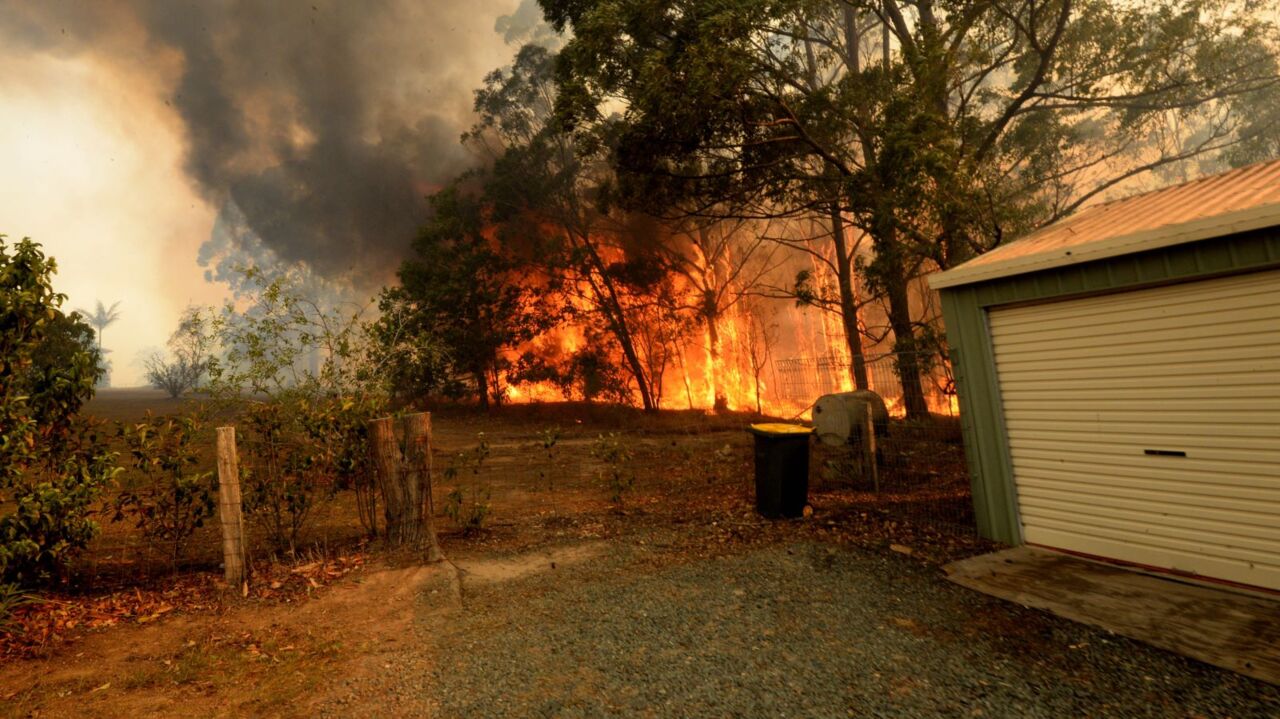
x=534, y=466
x=804, y=379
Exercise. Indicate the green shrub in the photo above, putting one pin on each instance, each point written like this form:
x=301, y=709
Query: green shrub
x=616, y=473
x=53, y=464
x=167, y=496
x=53, y=500
x=337, y=429
x=12, y=597
x=278, y=472
x=292, y=359
x=468, y=510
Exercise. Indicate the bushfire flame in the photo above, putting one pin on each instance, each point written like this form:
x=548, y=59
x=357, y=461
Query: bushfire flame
x=735, y=351
x=741, y=371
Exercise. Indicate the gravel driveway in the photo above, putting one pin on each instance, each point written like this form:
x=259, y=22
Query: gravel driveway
x=791, y=630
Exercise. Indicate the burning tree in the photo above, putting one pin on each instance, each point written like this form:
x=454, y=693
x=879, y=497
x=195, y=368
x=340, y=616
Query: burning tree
x=722, y=262
x=649, y=286
x=462, y=295
x=553, y=187
x=935, y=130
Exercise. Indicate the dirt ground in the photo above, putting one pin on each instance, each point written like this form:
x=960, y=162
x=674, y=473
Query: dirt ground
x=520, y=477
x=680, y=601
x=261, y=655
x=643, y=615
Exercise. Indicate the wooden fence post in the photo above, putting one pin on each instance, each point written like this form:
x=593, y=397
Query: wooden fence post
x=230, y=511
x=386, y=463
x=869, y=445
x=417, y=440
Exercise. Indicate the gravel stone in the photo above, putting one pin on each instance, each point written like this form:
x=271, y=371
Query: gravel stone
x=791, y=630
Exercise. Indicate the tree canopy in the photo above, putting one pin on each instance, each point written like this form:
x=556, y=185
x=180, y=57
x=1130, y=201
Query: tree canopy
x=460, y=294
x=936, y=129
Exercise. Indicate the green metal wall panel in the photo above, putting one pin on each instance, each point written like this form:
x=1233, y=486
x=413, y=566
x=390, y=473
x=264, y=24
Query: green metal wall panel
x=964, y=310
x=981, y=422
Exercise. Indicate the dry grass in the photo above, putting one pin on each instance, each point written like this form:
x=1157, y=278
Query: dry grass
x=129, y=404
x=675, y=454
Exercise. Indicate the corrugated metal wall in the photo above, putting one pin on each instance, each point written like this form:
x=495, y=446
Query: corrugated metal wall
x=1100, y=396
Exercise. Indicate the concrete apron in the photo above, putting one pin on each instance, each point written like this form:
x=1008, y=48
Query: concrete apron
x=1227, y=627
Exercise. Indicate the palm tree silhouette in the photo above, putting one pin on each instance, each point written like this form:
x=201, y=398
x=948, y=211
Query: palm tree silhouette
x=101, y=318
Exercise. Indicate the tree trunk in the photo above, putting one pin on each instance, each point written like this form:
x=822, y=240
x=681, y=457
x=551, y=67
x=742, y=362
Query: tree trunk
x=848, y=302
x=482, y=386
x=884, y=39
x=634, y=363
x=617, y=318
x=907, y=359
x=684, y=372
x=756, y=368
x=712, y=317
x=852, y=42
x=495, y=385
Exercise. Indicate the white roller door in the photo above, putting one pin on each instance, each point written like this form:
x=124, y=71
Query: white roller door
x=1144, y=426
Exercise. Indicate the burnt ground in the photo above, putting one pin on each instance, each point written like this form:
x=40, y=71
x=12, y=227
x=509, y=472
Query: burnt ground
x=679, y=601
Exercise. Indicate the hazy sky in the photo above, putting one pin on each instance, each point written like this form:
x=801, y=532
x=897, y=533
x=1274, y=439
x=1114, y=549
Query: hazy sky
x=100, y=148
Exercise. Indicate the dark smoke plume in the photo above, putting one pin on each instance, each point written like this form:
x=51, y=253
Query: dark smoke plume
x=325, y=122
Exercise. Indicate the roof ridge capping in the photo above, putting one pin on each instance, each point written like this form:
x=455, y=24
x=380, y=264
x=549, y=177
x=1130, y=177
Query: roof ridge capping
x=1063, y=243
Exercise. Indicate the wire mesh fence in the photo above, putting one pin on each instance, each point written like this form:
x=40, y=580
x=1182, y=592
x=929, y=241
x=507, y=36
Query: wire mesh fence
x=536, y=466
x=920, y=475
x=125, y=553
x=804, y=379
x=490, y=471
x=919, y=472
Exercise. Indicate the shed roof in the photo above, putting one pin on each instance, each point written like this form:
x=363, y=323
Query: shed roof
x=1244, y=199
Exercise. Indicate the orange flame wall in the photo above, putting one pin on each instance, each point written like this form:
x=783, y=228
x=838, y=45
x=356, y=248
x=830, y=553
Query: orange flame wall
x=757, y=341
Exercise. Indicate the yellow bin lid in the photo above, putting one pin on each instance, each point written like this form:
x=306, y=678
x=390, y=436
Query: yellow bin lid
x=775, y=429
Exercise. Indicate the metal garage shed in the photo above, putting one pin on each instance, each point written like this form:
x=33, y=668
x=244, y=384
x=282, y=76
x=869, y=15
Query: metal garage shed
x=1119, y=380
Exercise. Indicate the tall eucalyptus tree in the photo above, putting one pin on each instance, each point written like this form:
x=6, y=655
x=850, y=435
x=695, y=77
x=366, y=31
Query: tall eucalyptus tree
x=937, y=128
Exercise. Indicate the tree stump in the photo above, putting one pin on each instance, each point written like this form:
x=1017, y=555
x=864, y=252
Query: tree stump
x=417, y=441
x=404, y=477
x=386, y=464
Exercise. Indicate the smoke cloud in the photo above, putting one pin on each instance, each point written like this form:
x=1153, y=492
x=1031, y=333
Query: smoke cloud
x=324, y=122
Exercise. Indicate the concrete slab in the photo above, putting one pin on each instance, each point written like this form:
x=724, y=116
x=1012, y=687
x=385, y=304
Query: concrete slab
x=1232, y=629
